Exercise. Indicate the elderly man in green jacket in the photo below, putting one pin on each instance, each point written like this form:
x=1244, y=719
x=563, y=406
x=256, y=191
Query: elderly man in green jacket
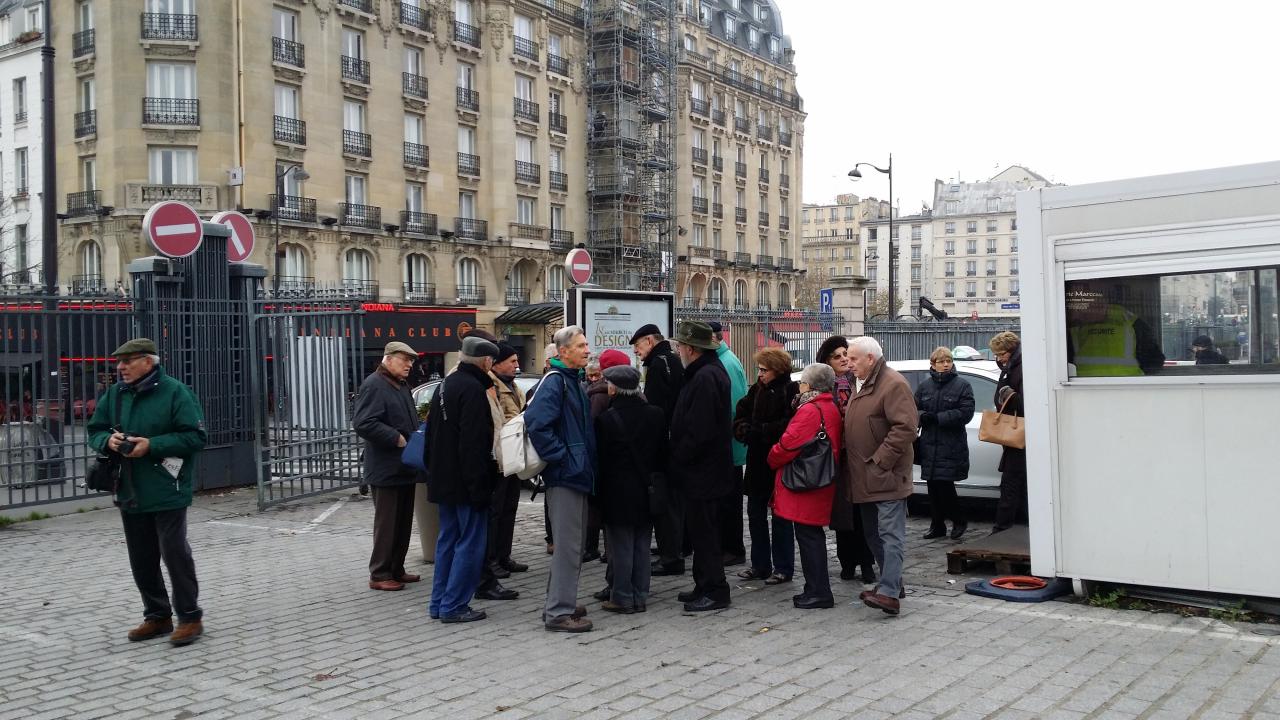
x=735, y=550
x=155, y=424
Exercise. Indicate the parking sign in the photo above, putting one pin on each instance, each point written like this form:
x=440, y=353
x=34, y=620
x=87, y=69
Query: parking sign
x=826, y=300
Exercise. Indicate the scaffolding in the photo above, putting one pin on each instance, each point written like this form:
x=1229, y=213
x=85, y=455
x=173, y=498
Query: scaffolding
x=632, y=77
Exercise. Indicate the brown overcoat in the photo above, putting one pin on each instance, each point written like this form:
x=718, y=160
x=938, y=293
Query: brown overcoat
x=880, y=425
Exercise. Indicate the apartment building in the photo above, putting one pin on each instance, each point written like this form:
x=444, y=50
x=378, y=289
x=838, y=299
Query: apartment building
x=21, y=202
x=974, y=268
x=913, y=245
x=831, y=243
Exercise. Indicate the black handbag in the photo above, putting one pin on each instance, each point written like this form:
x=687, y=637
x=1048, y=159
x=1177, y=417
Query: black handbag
x=815, y=467
x=103, y=472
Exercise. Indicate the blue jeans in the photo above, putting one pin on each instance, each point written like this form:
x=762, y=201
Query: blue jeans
x=885, y=524
x=459, y=558
x=769, y=557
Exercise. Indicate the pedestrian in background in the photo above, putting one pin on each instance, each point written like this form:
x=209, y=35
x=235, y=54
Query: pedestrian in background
x=384, y=417
x=735, y=550
x=945, y=405
x=759, y=421
x=558, y=421
x=599, y=399
x=506, y=497
x=809, y=510
x=880, y=427
x=663, y=378
x=701, y=465
x=632, y=439
x=462, y=469
x=155, y=425
x=846, y=517
x=1012, y=507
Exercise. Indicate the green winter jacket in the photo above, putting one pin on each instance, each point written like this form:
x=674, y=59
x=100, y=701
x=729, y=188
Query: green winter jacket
x=165, y=412
x=737, y=390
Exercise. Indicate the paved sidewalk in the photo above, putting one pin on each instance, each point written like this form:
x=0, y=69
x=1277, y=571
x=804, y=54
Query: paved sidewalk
x=292, y=631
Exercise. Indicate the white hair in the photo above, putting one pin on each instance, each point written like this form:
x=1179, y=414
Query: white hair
x=820, y=377
x=867, y=345
x=565, y=335
x=154, y=358
x=551, y=350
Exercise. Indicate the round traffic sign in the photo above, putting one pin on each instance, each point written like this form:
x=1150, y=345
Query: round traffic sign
x=173, y=228
x=973, y=315
x=240, y=244
x=577, y=264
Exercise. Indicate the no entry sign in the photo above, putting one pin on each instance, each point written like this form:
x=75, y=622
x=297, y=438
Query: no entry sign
x=173, y=228
x=577, y=264
x=240, y=244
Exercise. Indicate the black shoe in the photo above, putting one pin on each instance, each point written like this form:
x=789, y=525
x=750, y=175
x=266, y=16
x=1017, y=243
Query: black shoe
x=658, y=569
x=498, y=571
x=705, y=604
x=512, y=566
x=936, y=532
x=958, y=528
x=688, y=596
x=868, y=574
x=604, y=558
x=467, y=615
x=995, y=530
x=813, y=603
x=590, y=555
x=603, y=594
x=497, y=592
x=848, y=573
x=641, y=607
x=731, y=560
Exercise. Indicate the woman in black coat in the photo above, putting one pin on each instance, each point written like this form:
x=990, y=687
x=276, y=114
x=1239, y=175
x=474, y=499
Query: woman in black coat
x=759, y=421
x=945, y=403
x=1013, y=462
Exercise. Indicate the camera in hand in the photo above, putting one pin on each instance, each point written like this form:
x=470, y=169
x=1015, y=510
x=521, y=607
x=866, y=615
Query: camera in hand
x=127, y=446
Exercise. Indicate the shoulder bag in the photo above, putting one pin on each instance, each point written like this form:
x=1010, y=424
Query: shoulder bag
x=815, y=467
x=103, y=473
x=1007, y=430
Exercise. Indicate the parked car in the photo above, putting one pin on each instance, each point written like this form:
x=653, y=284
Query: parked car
x=984, y=457
x=423, y=393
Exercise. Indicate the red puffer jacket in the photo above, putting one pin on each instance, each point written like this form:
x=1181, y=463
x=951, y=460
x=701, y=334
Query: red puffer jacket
x=811, y=507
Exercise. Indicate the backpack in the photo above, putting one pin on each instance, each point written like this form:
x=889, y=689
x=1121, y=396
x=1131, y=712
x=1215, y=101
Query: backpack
x=519, y=457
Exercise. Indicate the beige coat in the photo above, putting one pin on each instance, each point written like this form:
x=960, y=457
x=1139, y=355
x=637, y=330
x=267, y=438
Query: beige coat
x=879, y=427
x=510, y=400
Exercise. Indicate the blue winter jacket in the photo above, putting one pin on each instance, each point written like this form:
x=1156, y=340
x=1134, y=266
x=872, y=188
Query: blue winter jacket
x=558, y=422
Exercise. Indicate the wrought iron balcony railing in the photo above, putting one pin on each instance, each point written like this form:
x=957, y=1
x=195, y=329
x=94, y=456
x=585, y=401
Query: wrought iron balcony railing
x=517, y=296
x=525, y=48
x=700, y=205
x=717, y=210
x=700, y=107
x=566, y=11
x=784, y=138
x=88, y=285
x=83, y=43
x=764, y=132
x=86, y=123
x=527, y=109
x=419, y=292
x=355, y=69
x=740, y=215
x=361, y=5
x=417, y=155
x=740, y=169
x=368, y=217
x=357, y=143
x=471, y=229
x=717, y=163
x=468, y=164
x=527, y=172
x=718, y=117
x=742, y=258
x=561, y=239
x=765, y=261
x=359, y=288
x=170, y=111
x=80, y=204
x=413, y=85
x=415, y=17
x=558, y=122
x=764, y=175
x=170, y=26
x=466, y=34
x=559, y=181
x=784, y=222
x=470, y=294
x=418, y=223
x=558, y=65
x=762, y=219
x=786, y=264
x=720, y=256
x=288, y=52
x=293, y=207
x=741, y=124
x=290, y=130
x=784, y=180
x=700, y=156
x=468, y=99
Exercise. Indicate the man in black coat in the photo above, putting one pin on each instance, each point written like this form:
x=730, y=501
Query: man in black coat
x=462, y=472
x=664, y=375
x=384, y=418
x=701, y=466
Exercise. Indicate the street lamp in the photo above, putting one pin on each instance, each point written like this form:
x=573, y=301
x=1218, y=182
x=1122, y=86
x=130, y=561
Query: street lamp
x=281, y=174
x=854, y=173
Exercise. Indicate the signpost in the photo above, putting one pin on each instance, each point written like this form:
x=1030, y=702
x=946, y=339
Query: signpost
x=826, y=300
x=577, y=265
x=173, y=228
x=240, y=244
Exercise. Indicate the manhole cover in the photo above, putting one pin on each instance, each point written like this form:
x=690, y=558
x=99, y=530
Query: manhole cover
x=1266, y=631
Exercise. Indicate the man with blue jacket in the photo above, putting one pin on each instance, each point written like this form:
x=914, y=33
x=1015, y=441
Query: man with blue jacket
x=558, y=422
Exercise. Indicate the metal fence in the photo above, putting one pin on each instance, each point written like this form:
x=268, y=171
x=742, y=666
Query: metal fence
x=799, y=332
x=916, y=340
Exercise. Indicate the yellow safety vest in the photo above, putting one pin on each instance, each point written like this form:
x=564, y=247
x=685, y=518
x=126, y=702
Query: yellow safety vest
x=1107, y=348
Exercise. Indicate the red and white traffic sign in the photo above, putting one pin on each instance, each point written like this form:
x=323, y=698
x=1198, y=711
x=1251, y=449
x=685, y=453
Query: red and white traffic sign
x=578, y=266
x=240, y=244
x=173, y=228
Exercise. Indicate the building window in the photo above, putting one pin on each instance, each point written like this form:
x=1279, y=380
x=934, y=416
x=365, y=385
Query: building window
x=91, y=259
x=353, y=116
x=414, y=197
x=526, y=213
x=468, y=275
x=991, y=267
x=784, y=296
x=699, y=235
x=950, y=228
x=848, y=234
x=991, y=225
x=20, y=172
x=950, y=247
x=171, y=80
x=1013, y=244
x=1013, y=266
x=915, y=252
x=20, y=100
x=991, y=288
x=417, y=273
x=953, y=207
x=715, y=239
x=971, y=268
x=804, y=216
x=993, y=205
x=356, y=186
x=1013, y=224
x=915, y=233
x=834, y=214
x=971, y=289
x=950, y=269
x=296, y=264
x=949, y=289
x=467, y=205
x=991, y=246
x=555, y=281
x=848, y=212
x=357, y=266
x=872, y=233
x=89, y=174
x=172, y=166
x=971, y=247
x=971, y=226
x=915, y=273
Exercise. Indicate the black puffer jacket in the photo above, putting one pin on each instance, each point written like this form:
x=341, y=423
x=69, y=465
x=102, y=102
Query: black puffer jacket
x=944, y=443
x=631, y=437
x=759, y=420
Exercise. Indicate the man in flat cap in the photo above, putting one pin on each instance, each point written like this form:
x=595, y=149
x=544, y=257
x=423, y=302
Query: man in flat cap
x=462, y=473
x=663, y=377
x=384, y=418
x=156, y=424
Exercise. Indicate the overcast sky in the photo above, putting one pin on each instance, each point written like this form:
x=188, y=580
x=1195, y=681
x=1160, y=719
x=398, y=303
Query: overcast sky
x=1079, y=92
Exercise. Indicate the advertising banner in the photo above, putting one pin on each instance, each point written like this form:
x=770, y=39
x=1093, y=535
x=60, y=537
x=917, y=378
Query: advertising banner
x=611, y=317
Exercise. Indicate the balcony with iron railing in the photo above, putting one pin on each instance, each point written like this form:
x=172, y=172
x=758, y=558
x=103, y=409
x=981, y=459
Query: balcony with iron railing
x=784, y=222
x=471, y=229
x=764, y=175
x=468, y=99
x=558, y=65
x=558, y=122
x=81, y=204
x=736, y=79
x=357, y=143
x=288, y=52
x=740, y=215
x=565, y=11
x=762, y=219
x=170, y=26
x=355, y=69
x=764, y=307
x=741, y=124
x=561, y=239
x=742, y=259
x=700, y=205
x=525, y=48
x=700, y=107
x=415, y=17
x=784, y=181
x=469, y=164
x=787, y=264
x=86, y=123
x=718, y=117
x=295, y=286
x=527, y=172
x=368, y=217
x=700, y=251
x=293, y=207
x=717, y=163
x=721, y=257
x=516, y=296
x=413, y=85
x=717, y=210
x=765, y=261
x=559, y=181
x=365, y=6
x=527, y=110
x=525, y=231
x=170, y=111
x=20, y=116
x=88, y=285
x=418, y=223
x=466, y=34
x=764, y=132
x=416, y=155
x=359, y=288
x=740, y=169
x=290, y=130
x=83, y=43
x=784, y=138
x=700, y=155
x=419, y=292
x=554, y=296
x=470, y=294
x=741, y=306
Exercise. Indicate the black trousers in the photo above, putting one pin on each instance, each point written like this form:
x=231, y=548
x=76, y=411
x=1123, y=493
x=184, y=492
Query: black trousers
x=150, y=538
x=731, y=521
x=502, y=518
x=702, y=523
x=851, y=545
x=1012, y=508
x=812, y=540
x=944, y=504
x=669, y=529
x=392, y=526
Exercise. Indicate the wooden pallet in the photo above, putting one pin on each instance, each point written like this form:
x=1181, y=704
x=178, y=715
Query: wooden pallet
x=1008, y=551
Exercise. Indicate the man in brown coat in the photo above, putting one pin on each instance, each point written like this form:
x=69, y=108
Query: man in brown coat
x=879, y=427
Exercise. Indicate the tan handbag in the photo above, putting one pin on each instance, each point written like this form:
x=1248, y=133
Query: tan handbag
x=1007, y=430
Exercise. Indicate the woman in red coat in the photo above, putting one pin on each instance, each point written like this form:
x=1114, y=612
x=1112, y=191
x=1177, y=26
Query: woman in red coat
x=810, y=510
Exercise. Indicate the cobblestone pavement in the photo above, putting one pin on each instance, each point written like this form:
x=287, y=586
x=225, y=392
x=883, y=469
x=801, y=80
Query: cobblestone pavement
x=292, y=631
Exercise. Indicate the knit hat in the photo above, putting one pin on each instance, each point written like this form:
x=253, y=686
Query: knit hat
x=478, y=347
x=623, y=377
x=829, y=346
x=504, y=351
x=716, y=326
x=613, y=358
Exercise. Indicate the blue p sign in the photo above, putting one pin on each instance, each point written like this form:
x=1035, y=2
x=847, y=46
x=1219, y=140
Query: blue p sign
x=827, y=300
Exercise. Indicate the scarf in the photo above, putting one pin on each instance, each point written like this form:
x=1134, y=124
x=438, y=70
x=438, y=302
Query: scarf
x=803, y=398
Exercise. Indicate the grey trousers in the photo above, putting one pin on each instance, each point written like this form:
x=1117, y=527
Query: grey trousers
x=629, y=562
x=885, y=524
x=567, y=509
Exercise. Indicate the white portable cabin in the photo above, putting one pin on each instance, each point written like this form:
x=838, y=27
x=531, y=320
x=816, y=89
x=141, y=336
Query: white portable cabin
x=1168, y=477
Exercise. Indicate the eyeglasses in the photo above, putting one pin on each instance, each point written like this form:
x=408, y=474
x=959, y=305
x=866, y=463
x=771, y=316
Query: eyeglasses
x=762, y=369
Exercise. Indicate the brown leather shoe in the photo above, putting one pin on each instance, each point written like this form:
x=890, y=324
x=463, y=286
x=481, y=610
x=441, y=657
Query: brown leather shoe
x=867, y=593
x=151, y=628
x=579, y=612
x=186, y=633
x=408, y=578
x=568, y=624
x=880, y=602
x=386, y=585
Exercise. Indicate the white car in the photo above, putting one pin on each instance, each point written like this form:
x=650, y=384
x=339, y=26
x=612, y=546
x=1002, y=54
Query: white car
x=984, y=457
x=423, y=393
